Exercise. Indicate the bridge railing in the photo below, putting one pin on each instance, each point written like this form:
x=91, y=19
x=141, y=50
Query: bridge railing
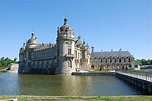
x=138, y=74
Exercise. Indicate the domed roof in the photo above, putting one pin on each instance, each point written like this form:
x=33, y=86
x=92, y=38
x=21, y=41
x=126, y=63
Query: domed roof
x=23, y=47
x=65, y=27
x=32, y=40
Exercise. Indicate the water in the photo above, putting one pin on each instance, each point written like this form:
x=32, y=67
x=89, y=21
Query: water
x=63, y=85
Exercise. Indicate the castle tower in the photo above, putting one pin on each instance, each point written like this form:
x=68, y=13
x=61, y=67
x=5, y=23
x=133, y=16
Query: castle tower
x=65, y=49
x=30, y=44
x=21, y=59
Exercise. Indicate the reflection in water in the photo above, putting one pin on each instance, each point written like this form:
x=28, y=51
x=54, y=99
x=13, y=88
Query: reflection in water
x=59, y=85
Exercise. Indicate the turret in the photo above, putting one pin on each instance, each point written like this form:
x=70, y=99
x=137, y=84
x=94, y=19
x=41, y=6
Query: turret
x=21, y=59
x=65, y=49
x=32, y=42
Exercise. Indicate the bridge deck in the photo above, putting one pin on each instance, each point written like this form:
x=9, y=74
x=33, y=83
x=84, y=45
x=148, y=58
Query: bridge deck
x=147, y=76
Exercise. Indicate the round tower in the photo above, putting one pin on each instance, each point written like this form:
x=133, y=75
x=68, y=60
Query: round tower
x=21, y=59
x=30, y=44
x=65, y=49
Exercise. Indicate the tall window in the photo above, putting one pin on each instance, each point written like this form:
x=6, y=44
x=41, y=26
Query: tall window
x=70, y=63
x=75, y=54
x=29, y=55
x=129, y=59
x=69, y=51
x=69, y=48
x=115, y=60
x=110, y=60
x=83, y=54
x=106, y=60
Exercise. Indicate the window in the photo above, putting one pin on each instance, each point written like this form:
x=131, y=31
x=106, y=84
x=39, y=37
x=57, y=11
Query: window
x=129, y=59
x=124, y=59
x=70, y=63
x=115, y=60
x=119, y=60
x=75, y=54
x=69, y=51
x=106, y=60
x=101, y=60
x=69, y=48
x=83, y=54
x=29, y=55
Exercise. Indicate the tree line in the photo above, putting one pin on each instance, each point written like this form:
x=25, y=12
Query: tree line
x=143, y=62
x=4, y=62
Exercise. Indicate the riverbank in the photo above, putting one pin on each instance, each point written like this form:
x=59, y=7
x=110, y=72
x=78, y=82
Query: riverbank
x=78, y=98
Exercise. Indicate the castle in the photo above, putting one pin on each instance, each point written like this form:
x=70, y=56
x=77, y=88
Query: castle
x=68, y=55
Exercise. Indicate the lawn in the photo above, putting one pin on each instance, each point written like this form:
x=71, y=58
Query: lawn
x=78, y=98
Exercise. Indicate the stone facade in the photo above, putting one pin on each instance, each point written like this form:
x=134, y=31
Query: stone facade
x=66, y=56
x=111, y=60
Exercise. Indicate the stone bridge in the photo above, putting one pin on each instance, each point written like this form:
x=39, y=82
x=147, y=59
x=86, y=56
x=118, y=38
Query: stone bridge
x=141, y=80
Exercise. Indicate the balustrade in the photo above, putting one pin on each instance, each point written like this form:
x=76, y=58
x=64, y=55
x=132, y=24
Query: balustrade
x=138, y=74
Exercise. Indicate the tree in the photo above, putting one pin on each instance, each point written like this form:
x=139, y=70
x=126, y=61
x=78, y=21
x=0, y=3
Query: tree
x=137, y=62
x=143, y=62
x=148, y=62
x=15, y=59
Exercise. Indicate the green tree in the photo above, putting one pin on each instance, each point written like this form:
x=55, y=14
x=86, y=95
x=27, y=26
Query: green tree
x=150, y=62
x=15, y=60
x=4, y=62
x=143, y=62
x=137, y=62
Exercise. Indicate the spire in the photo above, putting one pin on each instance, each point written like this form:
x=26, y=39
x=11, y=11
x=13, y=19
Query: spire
x=32, y=35
x=92, y=49
x=65, y=21
x=79, y=37
x=83, y=42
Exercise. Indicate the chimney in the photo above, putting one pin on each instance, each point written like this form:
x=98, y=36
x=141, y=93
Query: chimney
x=120, y=49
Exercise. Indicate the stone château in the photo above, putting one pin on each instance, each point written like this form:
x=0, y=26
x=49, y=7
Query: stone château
x=67, y=55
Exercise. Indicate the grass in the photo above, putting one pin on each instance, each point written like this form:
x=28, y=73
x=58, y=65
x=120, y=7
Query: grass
x=79, y=98
x=100, y=71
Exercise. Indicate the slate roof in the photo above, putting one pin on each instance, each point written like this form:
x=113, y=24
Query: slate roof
x=78, y=42
x=111, y=53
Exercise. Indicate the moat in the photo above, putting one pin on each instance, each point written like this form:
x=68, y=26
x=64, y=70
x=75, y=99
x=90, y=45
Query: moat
x=61, y=85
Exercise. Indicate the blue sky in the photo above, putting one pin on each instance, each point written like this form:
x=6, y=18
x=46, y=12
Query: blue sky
x=104, y=24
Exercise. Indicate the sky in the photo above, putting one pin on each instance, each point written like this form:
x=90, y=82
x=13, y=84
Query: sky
x=103, y=24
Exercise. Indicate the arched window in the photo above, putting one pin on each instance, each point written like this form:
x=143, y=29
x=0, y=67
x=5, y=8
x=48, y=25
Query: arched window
x=47, y=64
x=101, y=60
x=110, y=60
